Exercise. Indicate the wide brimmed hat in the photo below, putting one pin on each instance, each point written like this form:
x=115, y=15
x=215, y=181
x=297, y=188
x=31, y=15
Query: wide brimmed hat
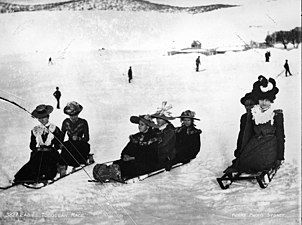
x=144, y=118
x=42, y=111
x=248, y=96
x=265, y=89
x=188, y=114
x=163, y=113
x=73, y=108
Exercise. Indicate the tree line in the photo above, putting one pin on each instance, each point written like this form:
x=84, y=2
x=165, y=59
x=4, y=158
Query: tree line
x=285, y=37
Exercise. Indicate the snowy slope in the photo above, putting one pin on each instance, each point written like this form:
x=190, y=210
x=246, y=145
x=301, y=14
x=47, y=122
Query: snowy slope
x=96, y=78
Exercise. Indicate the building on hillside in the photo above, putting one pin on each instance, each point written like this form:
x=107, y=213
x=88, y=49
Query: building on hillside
x=196, y=44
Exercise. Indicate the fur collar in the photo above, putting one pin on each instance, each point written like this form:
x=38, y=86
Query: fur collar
x=263, y=117
x=143, y=138
x=39, y=130
x=188, y=130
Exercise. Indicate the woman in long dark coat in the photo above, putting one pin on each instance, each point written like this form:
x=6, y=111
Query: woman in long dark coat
x=263, y=138
x=166, y=148
x=140, y=154
x=44, y=143
x=76, y=149
x=187, y=138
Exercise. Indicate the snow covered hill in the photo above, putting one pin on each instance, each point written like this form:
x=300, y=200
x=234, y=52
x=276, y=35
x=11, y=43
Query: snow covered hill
x=119, y=5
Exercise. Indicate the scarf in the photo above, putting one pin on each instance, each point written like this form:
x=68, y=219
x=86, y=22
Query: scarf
x=263, y=117
x=39, y=130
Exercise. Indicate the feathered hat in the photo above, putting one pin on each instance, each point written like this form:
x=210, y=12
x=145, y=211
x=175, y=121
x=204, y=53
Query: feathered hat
x=163, y=112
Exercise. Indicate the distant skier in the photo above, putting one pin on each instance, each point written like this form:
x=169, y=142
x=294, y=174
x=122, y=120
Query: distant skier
x=197, y=63
x=267, y=56
x=286, y=67
x=130, y=74
x=50, y=61
x=57, y=95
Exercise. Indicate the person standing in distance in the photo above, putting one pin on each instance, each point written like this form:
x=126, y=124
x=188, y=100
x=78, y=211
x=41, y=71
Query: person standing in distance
x=57, y=95
x=197, y=63
x=130, y=74
x=286, y=67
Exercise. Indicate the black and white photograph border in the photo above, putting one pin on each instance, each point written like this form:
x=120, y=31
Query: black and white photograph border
x=85, y=49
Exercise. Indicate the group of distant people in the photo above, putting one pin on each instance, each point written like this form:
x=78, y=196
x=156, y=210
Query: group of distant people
x=267, y=58
x=286, y=66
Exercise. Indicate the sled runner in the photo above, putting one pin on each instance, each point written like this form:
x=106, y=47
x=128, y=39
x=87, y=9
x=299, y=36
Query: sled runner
x=110, y=178
x=31, y=184
x=263, y=178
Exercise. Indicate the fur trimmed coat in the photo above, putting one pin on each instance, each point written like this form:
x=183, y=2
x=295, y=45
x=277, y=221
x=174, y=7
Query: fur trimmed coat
x=187, y=143
x=166, y=148
x=262, y=143
x=143, y=147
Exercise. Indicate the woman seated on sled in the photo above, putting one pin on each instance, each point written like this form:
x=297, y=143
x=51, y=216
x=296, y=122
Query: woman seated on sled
x=44, y=143
x=166, y=148
x=139, y=156
x=187, y=138
x=75, y=151
x=262, y=145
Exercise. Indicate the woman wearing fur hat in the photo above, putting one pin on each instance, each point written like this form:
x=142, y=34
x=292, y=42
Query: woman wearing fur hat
x=263, y=138
x=44, y=143
x=76, y=150
x=187, y=138
x=166, y=148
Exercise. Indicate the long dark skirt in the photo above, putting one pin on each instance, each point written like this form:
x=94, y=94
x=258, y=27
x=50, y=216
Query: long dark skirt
x=41, y=166
x=130, y=169
x=259, y=154
x=77, y=153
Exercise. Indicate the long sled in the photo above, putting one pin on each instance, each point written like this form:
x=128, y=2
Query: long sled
x=42, y=184
x=263, y=178
x=138, y=178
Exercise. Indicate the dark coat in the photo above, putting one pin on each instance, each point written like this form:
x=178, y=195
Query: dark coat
x=130, y=73
x=43, y=160
x=187, y=143
x=286, y=66
x=76, y=150
x=57, y=94
x=166, y=147
x=243, y=120
x=261, y=144
x=143, y=147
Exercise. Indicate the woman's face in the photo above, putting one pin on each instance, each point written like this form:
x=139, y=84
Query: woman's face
x=142, y=127
x=187, y=122
x=265, y=104
x=44, y=120
x=74, y=117
x=160, y=121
